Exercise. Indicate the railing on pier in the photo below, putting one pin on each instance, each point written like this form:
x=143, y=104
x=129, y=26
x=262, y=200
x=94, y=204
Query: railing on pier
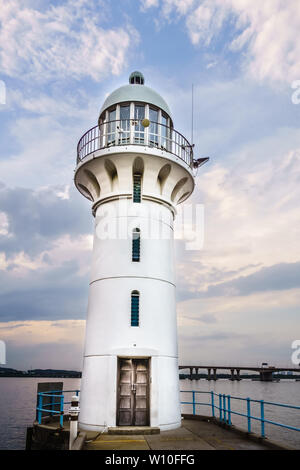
x=132, y=132
x=220, y=404
x=56, y=404
x=223, y=404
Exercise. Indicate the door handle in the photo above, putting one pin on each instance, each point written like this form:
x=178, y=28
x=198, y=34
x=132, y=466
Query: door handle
x=133, y=388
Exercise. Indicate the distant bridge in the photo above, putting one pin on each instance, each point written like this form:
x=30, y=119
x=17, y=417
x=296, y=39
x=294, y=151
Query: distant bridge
x=265, y=373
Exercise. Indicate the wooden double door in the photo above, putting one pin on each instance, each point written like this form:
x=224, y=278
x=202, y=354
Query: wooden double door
x=133, y=392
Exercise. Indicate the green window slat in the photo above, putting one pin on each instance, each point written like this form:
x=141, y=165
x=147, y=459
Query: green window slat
x=136, y=244
x=135, y=302
x=136, y=188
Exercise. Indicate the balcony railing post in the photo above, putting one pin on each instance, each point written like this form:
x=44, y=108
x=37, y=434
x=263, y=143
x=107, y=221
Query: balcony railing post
x=262, y=418
x=40, y=406
x=220, y=406
x=229, y=410
x=224, y=406
x=52, y=402
x=194, y=404
x=61, y=418
x=212, y=404
x=249, y=414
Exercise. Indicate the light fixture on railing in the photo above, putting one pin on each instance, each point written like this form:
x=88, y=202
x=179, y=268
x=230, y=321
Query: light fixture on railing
x=145, y=122
x=200, y=161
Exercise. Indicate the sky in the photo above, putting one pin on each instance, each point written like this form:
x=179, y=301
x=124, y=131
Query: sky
x=238, y=299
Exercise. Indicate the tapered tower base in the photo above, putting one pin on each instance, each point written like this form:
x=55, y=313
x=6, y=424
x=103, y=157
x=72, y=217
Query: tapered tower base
x=112, y=398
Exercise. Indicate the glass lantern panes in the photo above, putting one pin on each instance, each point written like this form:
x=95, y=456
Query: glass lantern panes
x=124, y=128
x=164, y=132
x=153, y=130
x=111, y=127
x=139, y=130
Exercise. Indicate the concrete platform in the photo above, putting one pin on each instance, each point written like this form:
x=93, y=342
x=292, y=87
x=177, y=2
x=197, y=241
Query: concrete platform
x=192, y=435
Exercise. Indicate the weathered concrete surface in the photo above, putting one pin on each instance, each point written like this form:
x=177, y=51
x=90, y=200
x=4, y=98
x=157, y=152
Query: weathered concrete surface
x=196, y=433
x=79, y=441
x=113, y=442
x=193, y=435
x=220, y=438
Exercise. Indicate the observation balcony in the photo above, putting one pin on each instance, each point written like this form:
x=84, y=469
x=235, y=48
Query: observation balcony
x=135, y=132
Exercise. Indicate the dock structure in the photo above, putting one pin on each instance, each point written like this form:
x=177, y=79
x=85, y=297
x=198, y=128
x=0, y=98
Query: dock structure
x=195, y=433
x=192, y=435
x=56, y=427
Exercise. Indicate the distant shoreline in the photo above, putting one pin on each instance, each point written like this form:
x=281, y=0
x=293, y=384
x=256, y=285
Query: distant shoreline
x=40, y=373
x=75, y=374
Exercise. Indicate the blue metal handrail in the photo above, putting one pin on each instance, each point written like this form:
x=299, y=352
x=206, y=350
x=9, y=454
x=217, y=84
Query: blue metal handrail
x=224, y=407
x=42, y=407
x=225, y=410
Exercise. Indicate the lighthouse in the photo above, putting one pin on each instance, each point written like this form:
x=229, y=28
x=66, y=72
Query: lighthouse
x=135, y=168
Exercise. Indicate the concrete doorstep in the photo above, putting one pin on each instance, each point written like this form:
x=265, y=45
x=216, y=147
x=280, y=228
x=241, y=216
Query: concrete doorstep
x=143, y=430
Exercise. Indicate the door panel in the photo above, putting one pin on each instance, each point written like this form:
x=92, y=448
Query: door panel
x=141, y=380
x=133, y=392
x=125, y=405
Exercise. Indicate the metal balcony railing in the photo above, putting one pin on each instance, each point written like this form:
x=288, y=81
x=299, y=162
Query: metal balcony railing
x=223, y=404
x=218, y=403
x=132, y=132
x=52, y=403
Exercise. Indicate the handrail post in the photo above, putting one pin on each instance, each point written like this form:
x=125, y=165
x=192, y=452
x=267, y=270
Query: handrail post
x=224, y=406
x=194, y=404
x=212, y=404
x=40, y=406
x=262, y=418
x=249, y=415
x=229, y=410
x=220, y=406
x=52, y=402
x=74, y=412
x=61, y=418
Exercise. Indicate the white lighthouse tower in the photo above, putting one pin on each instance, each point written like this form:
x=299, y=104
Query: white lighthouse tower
x=135, y=168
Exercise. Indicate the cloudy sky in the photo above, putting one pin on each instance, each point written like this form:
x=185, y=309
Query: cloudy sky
x=239, y=297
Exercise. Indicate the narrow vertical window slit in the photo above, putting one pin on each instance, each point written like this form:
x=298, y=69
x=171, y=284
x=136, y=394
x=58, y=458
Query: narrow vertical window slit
x=136, y=188
x=135, y=306
x=136, y=244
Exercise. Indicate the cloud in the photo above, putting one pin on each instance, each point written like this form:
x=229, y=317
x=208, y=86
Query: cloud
x=149, y=4
x=35, y=219
x=42, y=344
x=44, y=293
x=253, y=201
x=61, y=41
x=205, y=318
x=264, y=33
x=278, y=277
x=45, y=254
x=248, y=329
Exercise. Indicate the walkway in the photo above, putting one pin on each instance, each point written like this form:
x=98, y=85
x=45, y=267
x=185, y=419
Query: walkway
x=193, y=435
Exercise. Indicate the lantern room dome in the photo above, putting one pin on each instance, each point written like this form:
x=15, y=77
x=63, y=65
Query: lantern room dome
x=136, y=91
x=136, y=78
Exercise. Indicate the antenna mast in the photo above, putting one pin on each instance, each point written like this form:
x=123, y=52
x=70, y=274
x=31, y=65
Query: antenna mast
x=192, y=133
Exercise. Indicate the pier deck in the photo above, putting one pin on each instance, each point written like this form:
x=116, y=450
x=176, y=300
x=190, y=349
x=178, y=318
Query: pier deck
x=193, y=435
